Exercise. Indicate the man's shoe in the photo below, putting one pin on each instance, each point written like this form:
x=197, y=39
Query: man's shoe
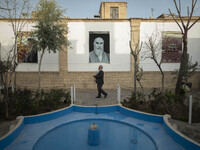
x=105, y=95
x=98, y=97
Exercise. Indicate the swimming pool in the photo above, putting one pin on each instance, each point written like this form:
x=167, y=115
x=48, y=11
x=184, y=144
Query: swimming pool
x=120, y=129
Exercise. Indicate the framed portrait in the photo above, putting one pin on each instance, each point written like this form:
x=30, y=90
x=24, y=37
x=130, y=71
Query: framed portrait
x=171, y=47
x=27, y=50
x=99, y=47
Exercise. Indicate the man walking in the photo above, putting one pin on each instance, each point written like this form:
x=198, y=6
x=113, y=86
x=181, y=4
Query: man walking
x=99, y=80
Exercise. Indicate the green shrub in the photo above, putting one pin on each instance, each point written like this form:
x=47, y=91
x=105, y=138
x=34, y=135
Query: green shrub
x=26, y=102
x=156, y=101
x=54, y=97
x=196, y=111
x=20, y=102
x=2, y=108
x=183, y=118
x=136, y=99
x=171, y=97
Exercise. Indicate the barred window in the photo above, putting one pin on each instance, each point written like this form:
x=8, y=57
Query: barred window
x=171, y=47
x=114, y=12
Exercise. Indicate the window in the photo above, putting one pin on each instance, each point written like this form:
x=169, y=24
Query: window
x=171, y=47
x=114, y=12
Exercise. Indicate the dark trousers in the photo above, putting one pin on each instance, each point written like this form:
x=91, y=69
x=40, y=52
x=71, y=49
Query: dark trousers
x=100, y=90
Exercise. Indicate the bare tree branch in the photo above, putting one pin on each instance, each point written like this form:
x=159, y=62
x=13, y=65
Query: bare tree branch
x=136, y=48
x=179, y=14
x=153, y=43
x=132, y=52
x=140, y=48
x=193, y=23
x=176, y=21
x=191, y=13
x=15, y=10
x=184, y=31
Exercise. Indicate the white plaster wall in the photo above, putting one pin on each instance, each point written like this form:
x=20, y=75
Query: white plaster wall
x=78, y=55
x=147, y=28
x=50, y=61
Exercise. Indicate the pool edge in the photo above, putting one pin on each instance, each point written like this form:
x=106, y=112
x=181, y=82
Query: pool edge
x=176, y=135
x=12, y=134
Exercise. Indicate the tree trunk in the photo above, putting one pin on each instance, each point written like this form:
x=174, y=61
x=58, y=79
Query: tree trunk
x=135, y=79
x=163, y=83
x=39, y=70
x=6, y=101
x=15, y=74
x=141, y=86
x=163, y=79
x=183, y=64
x=6, y=95
x=162, y=73
x=1, y=83
x=163, y=89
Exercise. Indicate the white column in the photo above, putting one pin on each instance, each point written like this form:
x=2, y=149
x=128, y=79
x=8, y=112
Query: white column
x=74, y=92
x=190, y=110
x=72, y=96
x=12, y=87
x=118, y=94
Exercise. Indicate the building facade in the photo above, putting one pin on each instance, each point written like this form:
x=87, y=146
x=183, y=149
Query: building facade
x=72, y=65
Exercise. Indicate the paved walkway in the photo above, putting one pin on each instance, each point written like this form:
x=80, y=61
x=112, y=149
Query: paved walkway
x=88, y=97
x=190, y=130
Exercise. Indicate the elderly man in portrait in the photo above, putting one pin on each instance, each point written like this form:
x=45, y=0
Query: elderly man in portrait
x=98, y=54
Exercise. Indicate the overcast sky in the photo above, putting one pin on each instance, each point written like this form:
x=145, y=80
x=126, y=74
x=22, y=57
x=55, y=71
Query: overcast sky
x=135, y=8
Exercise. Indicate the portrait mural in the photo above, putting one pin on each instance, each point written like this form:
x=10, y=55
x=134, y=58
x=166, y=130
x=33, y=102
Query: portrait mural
x=171, y=47
x=99, y=47
x=27, y=50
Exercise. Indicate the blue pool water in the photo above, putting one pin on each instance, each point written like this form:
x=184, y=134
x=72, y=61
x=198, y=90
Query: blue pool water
x=113, y=136
x=120, y=129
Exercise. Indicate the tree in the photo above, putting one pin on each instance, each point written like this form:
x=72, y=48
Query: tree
x=153, y=44
x=184, y=27
x=16, y=12
x=135, y=53
x=50, y=30
x=6, y=67
x=139, y=76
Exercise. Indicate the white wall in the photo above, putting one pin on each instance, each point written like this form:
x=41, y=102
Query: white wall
x=78, y=55
x=147, y=28
x=50, y=60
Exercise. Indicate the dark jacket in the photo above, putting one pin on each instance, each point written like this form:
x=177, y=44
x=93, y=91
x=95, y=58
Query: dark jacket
x=99, y=77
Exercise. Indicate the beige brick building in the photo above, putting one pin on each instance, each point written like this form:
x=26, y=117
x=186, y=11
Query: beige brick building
x=113, y=10
x=72, y=64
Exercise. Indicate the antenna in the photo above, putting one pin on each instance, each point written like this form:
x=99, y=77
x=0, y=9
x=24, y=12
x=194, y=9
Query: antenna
x=152, y=10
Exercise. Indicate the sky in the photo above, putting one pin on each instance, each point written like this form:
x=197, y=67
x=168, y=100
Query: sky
x=135, y=8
